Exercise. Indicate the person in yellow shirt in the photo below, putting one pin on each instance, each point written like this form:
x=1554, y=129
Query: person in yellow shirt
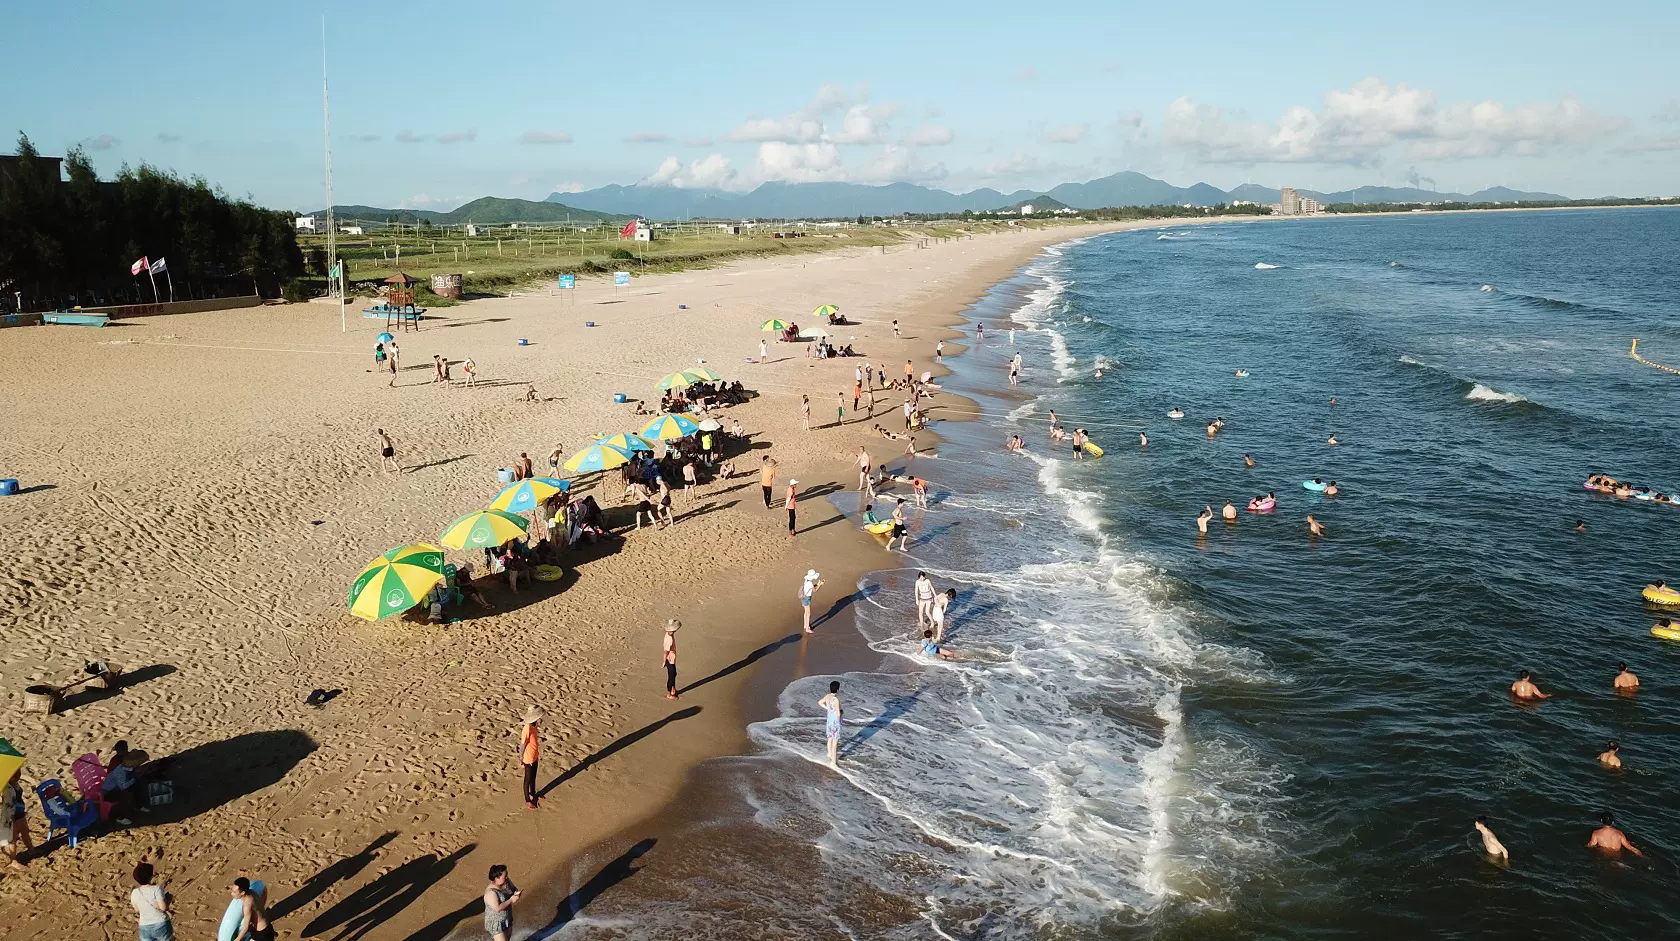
x=767, y=479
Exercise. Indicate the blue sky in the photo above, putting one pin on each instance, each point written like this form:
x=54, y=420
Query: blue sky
x=434, y=104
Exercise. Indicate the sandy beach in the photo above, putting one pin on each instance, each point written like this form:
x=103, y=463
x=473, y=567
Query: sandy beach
x=201, y=489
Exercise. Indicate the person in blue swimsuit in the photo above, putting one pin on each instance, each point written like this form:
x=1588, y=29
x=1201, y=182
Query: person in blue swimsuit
x=831, y=705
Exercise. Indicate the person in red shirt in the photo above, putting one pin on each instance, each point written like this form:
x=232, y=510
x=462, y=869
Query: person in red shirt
x=530, y=744
x=792, y=500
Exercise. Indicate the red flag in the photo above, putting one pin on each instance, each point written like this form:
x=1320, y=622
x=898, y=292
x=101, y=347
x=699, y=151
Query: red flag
x=629, y=229
x=139, y=266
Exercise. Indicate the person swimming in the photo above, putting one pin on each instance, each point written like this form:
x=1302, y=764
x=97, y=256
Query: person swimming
x=1330, y=489
x=1490, y=843
x=1203, y=517
x=1248, y=461
x=1242, y=374
x=1143, y=439
x=1331, y=441
x=1229, y=512
x=1099, y=372
x=1176, y=414
x=1212, y=429
x=1609, y=757
x=1524, y=688
x=1609, y=839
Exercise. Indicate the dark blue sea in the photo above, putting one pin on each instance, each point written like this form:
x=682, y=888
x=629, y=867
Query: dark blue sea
x=1256, y=733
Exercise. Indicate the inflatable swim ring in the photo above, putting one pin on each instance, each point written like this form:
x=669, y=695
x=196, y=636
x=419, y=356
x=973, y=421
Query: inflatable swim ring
x=1596, y=488
x=548, y=573
x=1671, y=632
x=1262, y=506
x=1660, y=595
x=1644, y=496
x=1175, y=414
x=1313, y=485
x=881, y=528
x=1093, y=450
x=1242, y=374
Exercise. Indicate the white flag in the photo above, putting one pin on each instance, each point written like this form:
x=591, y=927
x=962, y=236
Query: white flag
x=158, y=266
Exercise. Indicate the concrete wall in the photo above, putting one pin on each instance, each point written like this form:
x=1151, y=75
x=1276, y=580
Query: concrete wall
x=127, y=311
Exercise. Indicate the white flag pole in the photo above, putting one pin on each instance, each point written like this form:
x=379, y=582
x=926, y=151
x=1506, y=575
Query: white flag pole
x=155, y=298
x=343, y=327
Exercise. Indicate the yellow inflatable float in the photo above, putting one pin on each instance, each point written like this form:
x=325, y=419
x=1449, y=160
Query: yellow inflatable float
x=1092, y=449
x=1666, y=630
x=881, y=528
x=1660, y=594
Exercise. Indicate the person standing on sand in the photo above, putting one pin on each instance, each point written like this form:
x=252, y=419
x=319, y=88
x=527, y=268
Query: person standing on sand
x=499, y=897
x=14, y=822
x=857, y=394
x=671, y=627
x=924, y=598
x=554, y=457
x=939, y=352
x=471, y=369
x=863, y=464
x=1490, y=843
x=909, y=373
x=767, y=477
x=807, y=594
x=839, y=409
x=895, y=330
x=253, y=920
x=152, y=904
x=899, y=530
x=437, y=369
x=530, y=747
x=832, y=716
x=868, y=376
x=763, y=352
x=791, y=502
x=805, y=411
x=387, y=451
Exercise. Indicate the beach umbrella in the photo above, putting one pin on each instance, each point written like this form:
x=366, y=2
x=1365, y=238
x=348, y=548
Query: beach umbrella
x=402, y=279
x=482, y=529
x=813, y=333
x=666, y=427
x=10, y=760
x=702, y=374
x=710, y=424
x=396, y=581
x=629, y=442
x=675, y=380
x=597, y=457
x=384, y=338
x=770, y=325
x=826, y=310
x=528, y=494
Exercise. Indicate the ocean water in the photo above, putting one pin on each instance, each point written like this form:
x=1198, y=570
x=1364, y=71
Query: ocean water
x=1252, y=734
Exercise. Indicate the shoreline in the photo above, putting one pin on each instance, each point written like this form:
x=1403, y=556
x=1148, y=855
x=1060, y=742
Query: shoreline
x=420, y=745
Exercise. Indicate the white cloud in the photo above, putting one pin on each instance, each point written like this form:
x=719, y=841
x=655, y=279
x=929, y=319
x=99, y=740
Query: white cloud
x=859, y=121
x=709, y=172
x=569, y=187
x=1358, y=125
x=428, y=201
x=545, y=137
x=103, y=142
x=929, y=135
x=1066, y=134
x=457, y=137
x=1019, y=163
x=646, y=137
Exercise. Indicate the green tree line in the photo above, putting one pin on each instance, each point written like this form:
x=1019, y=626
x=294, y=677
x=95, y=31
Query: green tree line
x=71, y=242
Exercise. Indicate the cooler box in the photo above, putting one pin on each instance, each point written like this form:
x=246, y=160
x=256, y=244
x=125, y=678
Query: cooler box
x=618, y=397
x=504, y=474
x=9, y=486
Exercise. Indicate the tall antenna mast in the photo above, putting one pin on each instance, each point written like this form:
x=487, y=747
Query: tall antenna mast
x=326, y=121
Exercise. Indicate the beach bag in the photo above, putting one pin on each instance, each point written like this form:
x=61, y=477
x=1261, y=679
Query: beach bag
x=160, y=793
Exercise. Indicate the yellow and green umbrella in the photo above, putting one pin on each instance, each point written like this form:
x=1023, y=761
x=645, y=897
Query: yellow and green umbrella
x=597, y=457
x=396, y=581
x=773, y=324
x=825, y=310
x=666, y=427
x=484, y=529
x=10, y=760
x=528, y=494
x=675, y=380
x=702, y=374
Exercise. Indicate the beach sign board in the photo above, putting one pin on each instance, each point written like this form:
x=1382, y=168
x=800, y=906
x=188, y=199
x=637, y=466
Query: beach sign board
x=568, y=282
x=621, y=278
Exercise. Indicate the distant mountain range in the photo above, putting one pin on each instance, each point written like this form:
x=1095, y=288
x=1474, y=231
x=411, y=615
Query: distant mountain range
x=840, y=200
x=487, y=210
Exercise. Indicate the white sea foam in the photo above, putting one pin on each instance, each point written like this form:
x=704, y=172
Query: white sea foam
x=1487, y=289
x=1262, y=266
x=1486, y=393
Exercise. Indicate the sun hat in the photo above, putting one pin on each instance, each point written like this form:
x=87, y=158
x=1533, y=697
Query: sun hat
x=812, y=575
x=533, y=714
x=672, y=625
x=794, y=480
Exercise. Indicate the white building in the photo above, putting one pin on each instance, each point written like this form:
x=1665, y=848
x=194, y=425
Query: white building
x=305, y=224
x=349, y=230
x=1026, y=209
x=472, y=230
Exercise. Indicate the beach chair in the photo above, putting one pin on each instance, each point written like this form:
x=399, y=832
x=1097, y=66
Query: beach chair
x=63, y=815
x=89, y=773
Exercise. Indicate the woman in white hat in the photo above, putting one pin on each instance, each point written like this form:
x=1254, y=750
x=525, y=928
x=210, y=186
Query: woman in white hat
x=671, y=657
x=530, y=745
x=813, y=581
